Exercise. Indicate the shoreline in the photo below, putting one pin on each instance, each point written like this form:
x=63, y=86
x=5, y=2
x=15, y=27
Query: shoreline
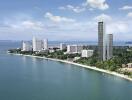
x=80, y=65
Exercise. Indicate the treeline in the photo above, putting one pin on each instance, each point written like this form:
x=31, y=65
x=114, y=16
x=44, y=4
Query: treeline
x=120, y=56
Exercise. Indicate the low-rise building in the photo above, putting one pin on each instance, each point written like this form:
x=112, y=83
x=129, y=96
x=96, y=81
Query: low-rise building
x=74, y=49
x=51, y=50
x=87, y=53
x=129, y=65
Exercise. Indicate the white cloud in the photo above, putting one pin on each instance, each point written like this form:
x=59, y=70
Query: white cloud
x=114, y=25
x=103, y=17
x=76, y=9
x=129, y=15
x=78, y=30
x=127, y=7
x=88, y=5
x=20, y=29
x=118, y=27
x=27, y=24
x=58, y=18
x=98, y=4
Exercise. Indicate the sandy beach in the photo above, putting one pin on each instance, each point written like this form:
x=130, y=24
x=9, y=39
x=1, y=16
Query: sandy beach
x=81, y=65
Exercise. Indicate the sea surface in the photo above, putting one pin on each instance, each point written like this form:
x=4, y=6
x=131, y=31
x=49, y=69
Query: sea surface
x=26, y=78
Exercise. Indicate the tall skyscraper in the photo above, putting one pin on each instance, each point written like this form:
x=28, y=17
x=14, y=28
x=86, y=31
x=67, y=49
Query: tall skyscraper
x=109, y=46
x=37, y=44
x=45, y=44
x=101, y=41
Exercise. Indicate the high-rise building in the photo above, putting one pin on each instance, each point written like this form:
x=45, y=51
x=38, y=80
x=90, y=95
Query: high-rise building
x=26, y=46
x=101, y=41
x=45, y=44
x=37, y=44
x=109, y=46
x=62, y=46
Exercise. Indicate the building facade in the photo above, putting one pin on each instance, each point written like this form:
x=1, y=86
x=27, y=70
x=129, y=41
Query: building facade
x=26, y=46
x=62, y=46
x=37, y=44
x=74, y=49
x=45, y=44
x=109, y=46
x=79, y=49
x=87, y=53
x=101, y=41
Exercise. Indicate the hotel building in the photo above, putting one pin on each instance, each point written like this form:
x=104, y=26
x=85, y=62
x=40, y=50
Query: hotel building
x=101, y=41
x=74, y=49
x=37, y=44
x=45, y=44
x=109, y=46
x=26, y=46
x=87, y=53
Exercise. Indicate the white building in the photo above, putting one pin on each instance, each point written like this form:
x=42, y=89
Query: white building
x=87, y=53
x=45, y=44
x=74, y=49
x=62, y=46
x=51, y=50
x=37, y=44
x=26, y=46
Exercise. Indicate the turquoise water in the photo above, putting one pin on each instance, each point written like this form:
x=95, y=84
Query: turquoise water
x=26, y=78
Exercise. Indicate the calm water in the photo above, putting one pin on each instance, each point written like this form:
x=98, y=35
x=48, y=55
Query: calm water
x=25, y=78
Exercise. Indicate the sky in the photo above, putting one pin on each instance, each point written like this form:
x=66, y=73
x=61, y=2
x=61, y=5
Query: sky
x=65, y=20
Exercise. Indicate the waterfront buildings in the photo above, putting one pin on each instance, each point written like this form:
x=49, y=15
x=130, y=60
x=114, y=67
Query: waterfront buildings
x=63, y=46
x=105, y=43
x=74, y=49
x=26, y=46
x=87, y=53
x=37, y=44
x=109, y=46
x=101, y=41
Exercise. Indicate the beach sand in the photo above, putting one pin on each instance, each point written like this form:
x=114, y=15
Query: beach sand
x=81, y=65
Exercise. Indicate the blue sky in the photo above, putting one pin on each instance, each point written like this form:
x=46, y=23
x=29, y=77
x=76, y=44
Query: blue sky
x=64, y=19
